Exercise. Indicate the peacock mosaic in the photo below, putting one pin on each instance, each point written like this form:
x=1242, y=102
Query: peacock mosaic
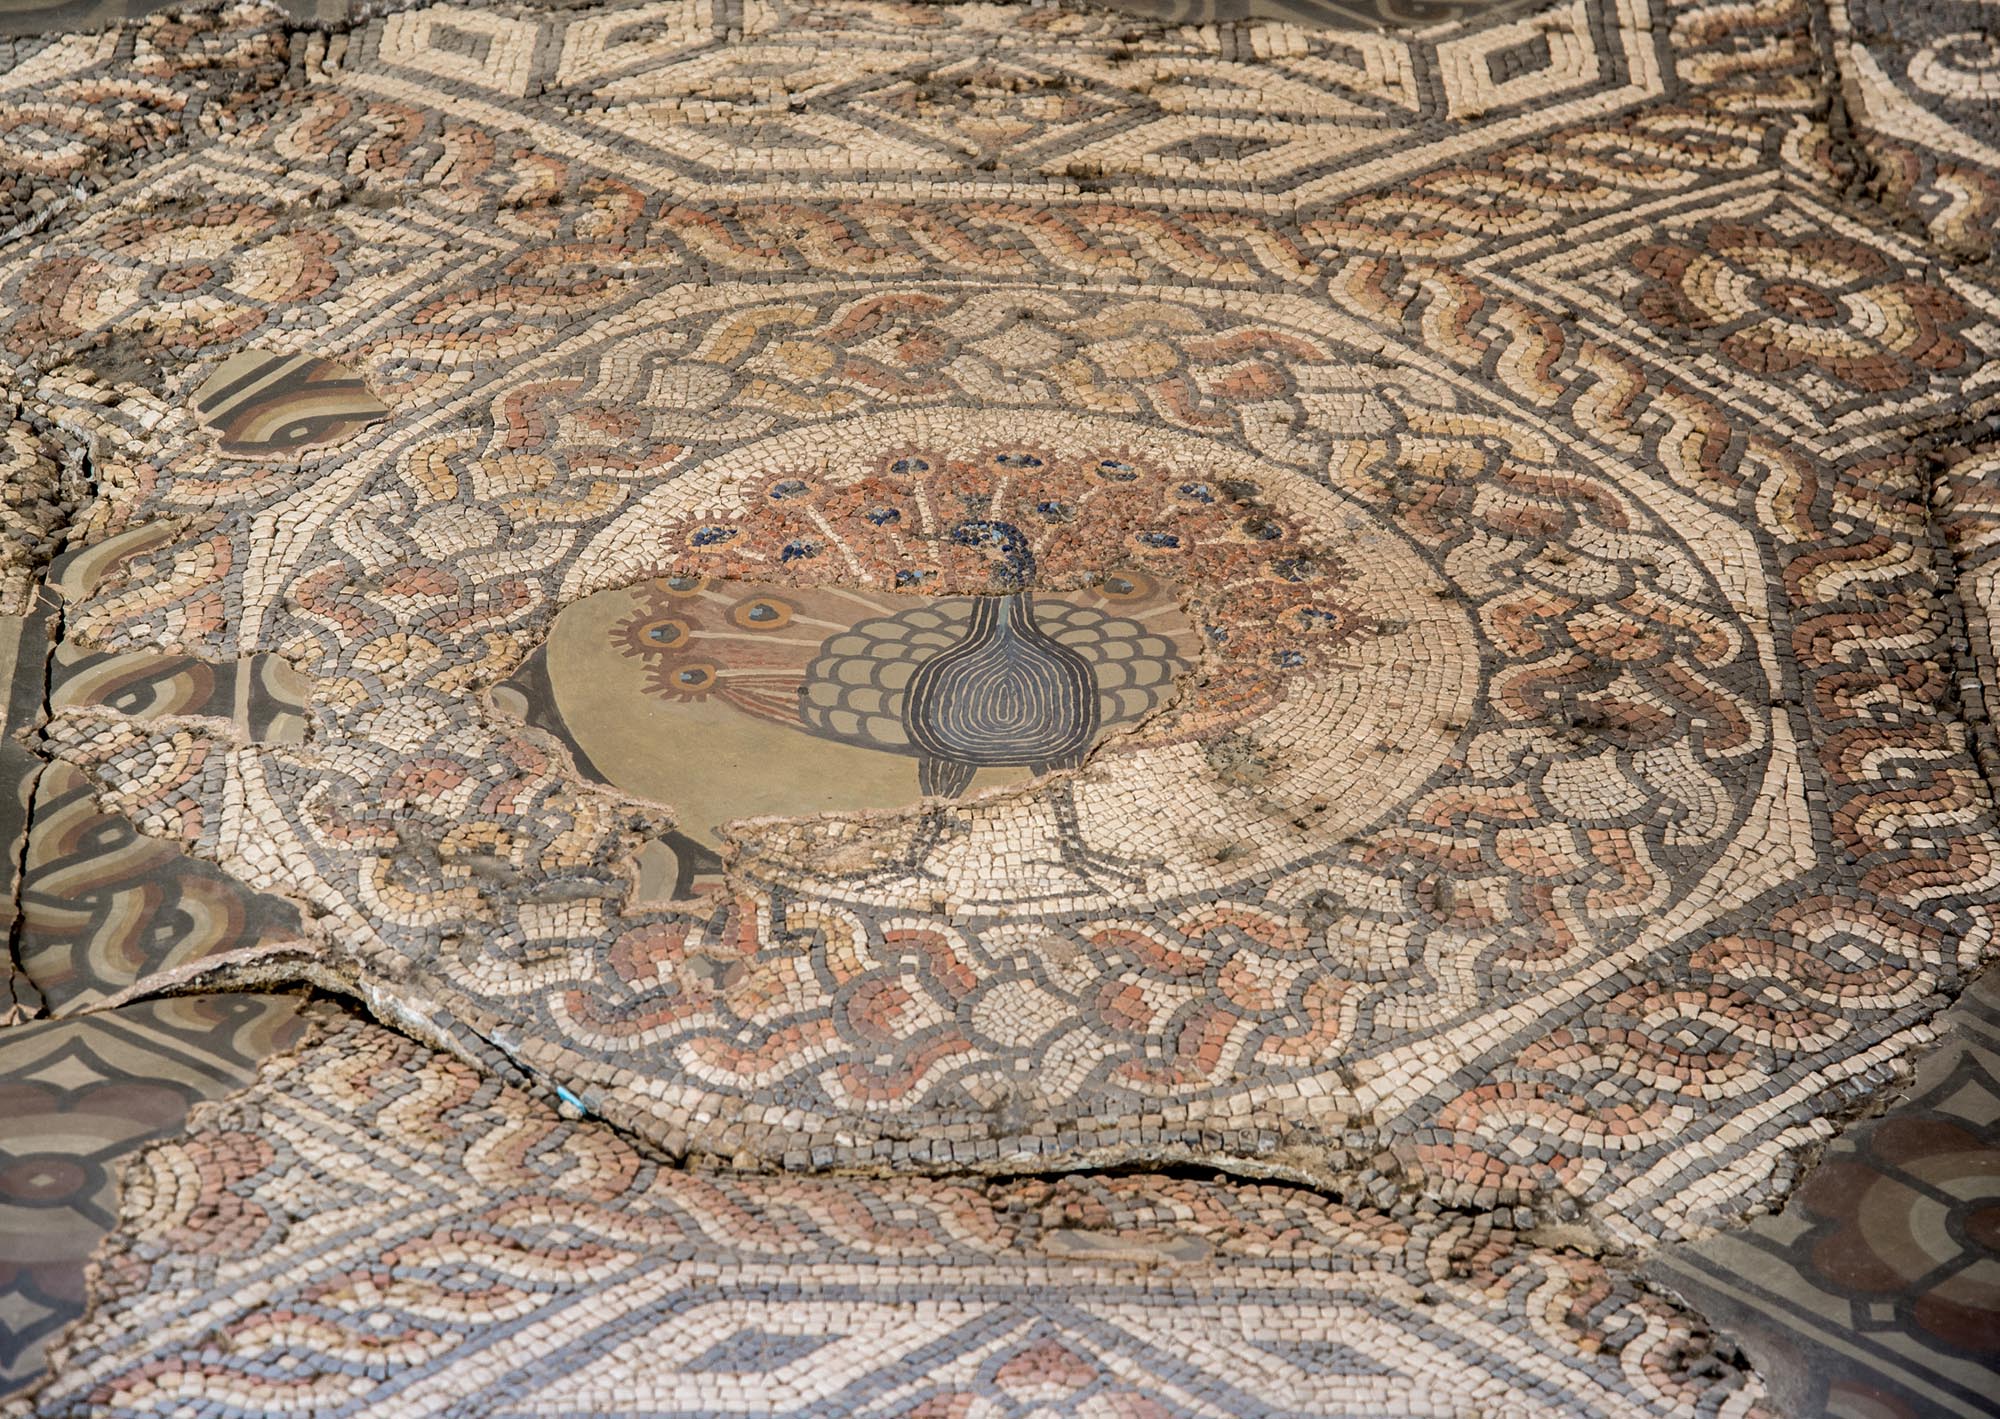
x=942, y=613
x=820, y=609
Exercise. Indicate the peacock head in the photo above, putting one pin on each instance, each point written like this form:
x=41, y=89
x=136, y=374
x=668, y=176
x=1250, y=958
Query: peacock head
x=1013, y=562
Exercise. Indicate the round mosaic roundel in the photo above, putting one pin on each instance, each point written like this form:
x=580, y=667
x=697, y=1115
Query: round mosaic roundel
x=1269, y=666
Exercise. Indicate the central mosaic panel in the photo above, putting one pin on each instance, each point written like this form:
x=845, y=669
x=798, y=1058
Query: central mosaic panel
x=1399, y=704
x=970, y=610
x=1396, y=702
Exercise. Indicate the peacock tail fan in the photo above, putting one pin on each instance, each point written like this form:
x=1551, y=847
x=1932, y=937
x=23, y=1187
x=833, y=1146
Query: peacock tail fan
x=1144, y=548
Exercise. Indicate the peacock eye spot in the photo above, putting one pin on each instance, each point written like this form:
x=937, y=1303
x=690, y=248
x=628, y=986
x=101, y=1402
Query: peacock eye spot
x=685, y=585
x=695, y=676
x=883, y=516
x=710, y=536
x=1200, y=492
x=794, y=551
x=789, y=488
x=762, y=614
x=662, y=633
x=910, y=465
x=1159, y=539
x=1120, y=586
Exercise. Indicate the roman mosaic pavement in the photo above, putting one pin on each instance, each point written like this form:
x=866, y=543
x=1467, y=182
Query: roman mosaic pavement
x=729, y=707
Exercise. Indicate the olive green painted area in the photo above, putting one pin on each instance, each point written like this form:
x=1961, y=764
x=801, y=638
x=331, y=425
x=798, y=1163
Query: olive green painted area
x=81, y=1097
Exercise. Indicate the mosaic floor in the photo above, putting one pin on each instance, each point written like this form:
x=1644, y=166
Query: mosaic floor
x=1000, y=710
x=39, y=17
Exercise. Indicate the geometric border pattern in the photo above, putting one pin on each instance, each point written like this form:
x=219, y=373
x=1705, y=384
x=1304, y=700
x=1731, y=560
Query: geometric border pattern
x=485, y=1256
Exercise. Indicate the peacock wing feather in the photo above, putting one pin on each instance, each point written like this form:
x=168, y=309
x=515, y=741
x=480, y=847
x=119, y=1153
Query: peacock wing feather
x=745, y=643
x=854, y=690
x=1135, y=634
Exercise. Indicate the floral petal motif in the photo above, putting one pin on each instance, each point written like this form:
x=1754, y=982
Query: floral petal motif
x=1776, y=306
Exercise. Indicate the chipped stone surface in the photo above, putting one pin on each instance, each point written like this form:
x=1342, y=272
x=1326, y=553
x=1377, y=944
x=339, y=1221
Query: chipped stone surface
x=671, y=1292
x=38, y=497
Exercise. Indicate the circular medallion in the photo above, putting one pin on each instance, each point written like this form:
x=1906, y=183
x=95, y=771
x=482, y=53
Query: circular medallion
x=1059, y=659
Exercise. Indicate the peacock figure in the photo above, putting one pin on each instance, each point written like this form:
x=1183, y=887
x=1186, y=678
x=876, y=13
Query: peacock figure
x=1005, y=694
x=971, y=620
x=959, y=683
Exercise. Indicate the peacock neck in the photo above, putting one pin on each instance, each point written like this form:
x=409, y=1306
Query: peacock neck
x=1012, y=614
x=1016, y=566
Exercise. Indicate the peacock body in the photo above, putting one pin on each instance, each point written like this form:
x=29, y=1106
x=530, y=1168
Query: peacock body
x=933, y=682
